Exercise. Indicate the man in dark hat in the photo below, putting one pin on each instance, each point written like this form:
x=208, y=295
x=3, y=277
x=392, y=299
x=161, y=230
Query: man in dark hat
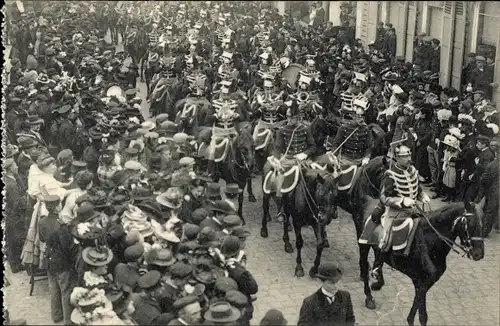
x=63, y=130
x=482, y=77
x=61, y=255
x=329, y=305
x=127, y=272
x=188, y=311
x=485, y=156
x=147, y=307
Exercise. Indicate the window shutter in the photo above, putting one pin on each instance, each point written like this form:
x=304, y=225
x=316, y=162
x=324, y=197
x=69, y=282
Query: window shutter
x=458, y=43
x=496, y=92
x=446, y=43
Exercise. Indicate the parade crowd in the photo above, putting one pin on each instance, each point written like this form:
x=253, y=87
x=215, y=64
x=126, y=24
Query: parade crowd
x=124, y=213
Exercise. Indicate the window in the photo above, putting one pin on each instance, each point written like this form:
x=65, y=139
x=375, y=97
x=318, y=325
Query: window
x=488, y=27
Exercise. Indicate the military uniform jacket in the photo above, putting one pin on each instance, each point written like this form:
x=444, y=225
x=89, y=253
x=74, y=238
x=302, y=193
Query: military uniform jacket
x=296, y=138
x=359, y=145
x=398, y=184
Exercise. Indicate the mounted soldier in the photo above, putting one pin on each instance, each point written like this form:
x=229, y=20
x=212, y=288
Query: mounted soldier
x=400, y=192
x=309, y=103
x=152, y=62
x=294, y=144
x=268, y=107
x=226, y=70
x=227, y=115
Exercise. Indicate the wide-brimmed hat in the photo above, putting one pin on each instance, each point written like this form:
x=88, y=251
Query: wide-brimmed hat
x=161, y=232
x=232, y=189
x=161, y=257
x=172, y=198
x=204, y=274
x=44, y=160
x=222, y=312
x=452, y=141
x=97, y=256
x=221, y=206
x=329, y=271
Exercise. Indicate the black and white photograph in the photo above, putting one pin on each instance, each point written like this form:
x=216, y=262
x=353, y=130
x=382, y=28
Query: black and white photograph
x=251, y=163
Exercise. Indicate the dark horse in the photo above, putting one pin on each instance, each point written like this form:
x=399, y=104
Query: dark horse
x=236, y=168
x=309, y=204
x=426, y=262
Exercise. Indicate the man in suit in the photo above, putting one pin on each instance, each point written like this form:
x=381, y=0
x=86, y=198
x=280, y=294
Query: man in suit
x=488, y=190
x=485, y=156
x=329, y=305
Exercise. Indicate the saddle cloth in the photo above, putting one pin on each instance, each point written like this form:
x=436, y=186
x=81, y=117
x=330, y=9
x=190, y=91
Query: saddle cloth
x=345, y=176
x=401, y=234
x=221, y=149
x=262, y=138
x=291, y=177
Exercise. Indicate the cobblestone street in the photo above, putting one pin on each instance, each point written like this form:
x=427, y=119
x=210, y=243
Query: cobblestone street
x=467, y=294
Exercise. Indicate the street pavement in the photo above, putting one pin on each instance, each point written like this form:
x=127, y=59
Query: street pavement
x=467, y=294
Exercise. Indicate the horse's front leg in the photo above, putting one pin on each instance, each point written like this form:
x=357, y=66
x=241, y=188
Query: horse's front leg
x=266, y=198
x=299, y=270
x=286, y=225
x=319, y=250
x=377, y=272
x=251, y=197
x=364, y=268
x=240, y=207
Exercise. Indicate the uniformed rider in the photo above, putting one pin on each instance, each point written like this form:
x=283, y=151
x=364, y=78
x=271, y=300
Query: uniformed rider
x=223, y=121
x=399, y=193
x=294, y=144
x=268, y=104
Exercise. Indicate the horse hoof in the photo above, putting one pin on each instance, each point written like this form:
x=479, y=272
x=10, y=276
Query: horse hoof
x=251, y=198
x=288, y=248
x=370, y=304
x=313, y=272
x=376, y=286
x=299, y=272
x=263, y=233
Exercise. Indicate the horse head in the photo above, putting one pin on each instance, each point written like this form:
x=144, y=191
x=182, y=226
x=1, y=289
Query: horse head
x=243, y=153
x=469, y=228
x=324, y=194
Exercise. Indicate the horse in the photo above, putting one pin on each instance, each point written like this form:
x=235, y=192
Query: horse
x=424, y=261
x=191, y=113
x=169, y=94
x=309, y=204
x=237, y=163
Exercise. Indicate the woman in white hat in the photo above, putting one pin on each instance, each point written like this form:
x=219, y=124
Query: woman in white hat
x=452, y=149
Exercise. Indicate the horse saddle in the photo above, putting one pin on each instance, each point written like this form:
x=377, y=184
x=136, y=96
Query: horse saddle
x=291, y=177
x=203, y=150
x=401, y=234
x=221, y=149
x=262, y=138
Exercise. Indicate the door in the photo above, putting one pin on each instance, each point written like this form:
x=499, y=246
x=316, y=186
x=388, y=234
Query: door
x=458, y=44
x=446, y=43
x=401, y=28
x=410, y=30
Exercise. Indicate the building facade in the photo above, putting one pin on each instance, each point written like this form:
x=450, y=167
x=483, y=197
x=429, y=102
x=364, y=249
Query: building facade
x=462, y=27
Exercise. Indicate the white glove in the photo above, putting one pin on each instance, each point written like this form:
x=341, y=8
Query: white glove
x=365, y=161
x=408, y=202
x=301, y=156
x=425, y=198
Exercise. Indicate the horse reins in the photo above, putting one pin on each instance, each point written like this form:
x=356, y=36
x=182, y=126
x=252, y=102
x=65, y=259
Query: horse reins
x=447, y=241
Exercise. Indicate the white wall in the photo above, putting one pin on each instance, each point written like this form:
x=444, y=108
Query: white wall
x=334, y=16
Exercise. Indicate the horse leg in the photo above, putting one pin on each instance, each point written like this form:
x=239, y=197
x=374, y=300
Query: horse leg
x=417, y=301
x=319, y=251
x=251, y=197
x=377, y=272
x=265, y=207
x=286, y=238
x=364, y=268
x=240, y=207
x=299, y=243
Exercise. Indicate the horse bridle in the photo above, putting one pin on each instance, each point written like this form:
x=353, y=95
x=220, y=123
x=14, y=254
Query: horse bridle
x=466, y=242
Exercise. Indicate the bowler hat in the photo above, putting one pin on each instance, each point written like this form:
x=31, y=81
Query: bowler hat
x=237, y=299
x=133, y=252
x=212, y=190
x=221, y=206
x=273, y=317
x=329, y=272
x=231, y=246
x=180, y=270
x=232, y=189
x=226, y=284
x=161, y=257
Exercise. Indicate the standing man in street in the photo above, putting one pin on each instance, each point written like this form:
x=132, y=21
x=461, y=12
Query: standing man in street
x=328, y=306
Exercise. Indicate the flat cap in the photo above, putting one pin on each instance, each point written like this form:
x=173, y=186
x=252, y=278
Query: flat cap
x=231, y=220
x=237, y=299
x=225, y=284
x=132, y=165
x=149, y=280
x=182, y=302
x=180, y=270
x=133, y=252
